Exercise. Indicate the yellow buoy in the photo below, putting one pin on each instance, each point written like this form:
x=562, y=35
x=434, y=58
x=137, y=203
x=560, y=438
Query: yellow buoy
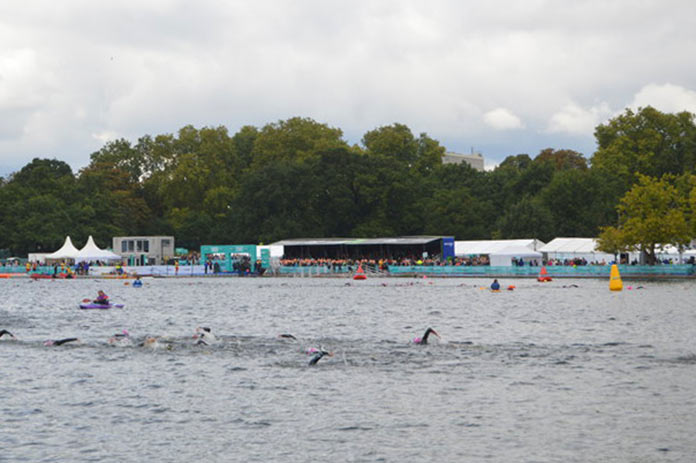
x=615, y=283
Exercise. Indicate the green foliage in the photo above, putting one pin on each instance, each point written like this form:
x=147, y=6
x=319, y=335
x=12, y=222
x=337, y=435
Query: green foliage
x=294, y=139
x=646, y=142
x=652, y=213
x=562, y=159
x=528, y=217
x=581, y=201
x=299, y=178
x=395, y=141
x=612, y=241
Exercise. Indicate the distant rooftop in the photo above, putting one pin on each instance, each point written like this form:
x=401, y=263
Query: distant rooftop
x=475, y=160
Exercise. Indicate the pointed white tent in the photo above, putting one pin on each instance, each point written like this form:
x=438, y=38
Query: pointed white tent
x=92, y=252
x=67, y=251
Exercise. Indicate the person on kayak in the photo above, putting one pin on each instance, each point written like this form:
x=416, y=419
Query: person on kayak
x=102, y=298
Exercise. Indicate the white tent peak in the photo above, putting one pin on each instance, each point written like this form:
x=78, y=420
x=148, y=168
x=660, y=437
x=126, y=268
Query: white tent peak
x=91, y=245
x=92, y=252
x=67, y=251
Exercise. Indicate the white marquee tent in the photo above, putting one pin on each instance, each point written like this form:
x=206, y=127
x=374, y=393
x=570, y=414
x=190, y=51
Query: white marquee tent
x=67, y=251
x=501, y=252
x=575, y=248
x=487, y=247
x=92, y=252
x=503, y=257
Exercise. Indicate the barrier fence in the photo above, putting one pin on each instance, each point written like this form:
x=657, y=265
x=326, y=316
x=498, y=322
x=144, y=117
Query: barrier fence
x=665, y=270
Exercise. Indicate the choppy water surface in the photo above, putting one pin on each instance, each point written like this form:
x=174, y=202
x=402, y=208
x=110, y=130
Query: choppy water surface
x=543, y=373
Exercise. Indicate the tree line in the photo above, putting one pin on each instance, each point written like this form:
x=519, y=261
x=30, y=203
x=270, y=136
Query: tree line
x=300, y=178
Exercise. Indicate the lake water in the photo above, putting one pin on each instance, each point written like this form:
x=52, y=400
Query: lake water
x=545, y=373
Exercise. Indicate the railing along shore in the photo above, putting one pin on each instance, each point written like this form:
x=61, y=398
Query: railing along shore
x=584, y=271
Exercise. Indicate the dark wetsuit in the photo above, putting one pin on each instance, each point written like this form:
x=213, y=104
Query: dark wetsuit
x=318, y=356
x=286, y=336
x=63, y=341
x=424, y=339
x=5, y=332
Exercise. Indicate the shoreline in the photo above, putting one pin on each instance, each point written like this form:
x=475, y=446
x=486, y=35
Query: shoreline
x=346, y=276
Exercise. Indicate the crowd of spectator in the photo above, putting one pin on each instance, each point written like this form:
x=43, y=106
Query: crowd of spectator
x=349, y=263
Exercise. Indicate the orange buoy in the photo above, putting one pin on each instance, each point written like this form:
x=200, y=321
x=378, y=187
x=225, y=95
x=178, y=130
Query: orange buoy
x=360, y=274
x=543, y=276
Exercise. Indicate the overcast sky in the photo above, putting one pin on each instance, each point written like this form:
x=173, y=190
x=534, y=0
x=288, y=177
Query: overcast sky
x=501, y=77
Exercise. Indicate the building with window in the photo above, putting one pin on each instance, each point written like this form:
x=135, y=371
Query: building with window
x=144, y=250
x=475, y=160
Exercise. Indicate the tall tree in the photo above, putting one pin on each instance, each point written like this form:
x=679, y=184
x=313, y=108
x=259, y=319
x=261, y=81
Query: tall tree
x=528, y=218
x=581, y=201
x=395, y=141
x=646, y=142
x=294, y=139
x=36, y=207
x=651, y=214
x=562, y=159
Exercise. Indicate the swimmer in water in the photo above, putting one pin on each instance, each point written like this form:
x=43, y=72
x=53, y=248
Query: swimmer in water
x=318, y=356
x=204, y=336
x=120, y=338
x=424, y=339
x=287, y=336
x=150, y=342
x=5, y=332
x=59, y=342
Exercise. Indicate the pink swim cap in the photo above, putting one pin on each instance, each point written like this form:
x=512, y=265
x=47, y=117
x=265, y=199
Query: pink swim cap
x=417, y=340
x=312, y=350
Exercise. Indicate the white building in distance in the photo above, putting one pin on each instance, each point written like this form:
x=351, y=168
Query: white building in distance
x=144, y=250
x=475, y=160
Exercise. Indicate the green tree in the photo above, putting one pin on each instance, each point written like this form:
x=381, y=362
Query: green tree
x=294, y=139
x=646, y=142
x=651, y=214
x=243, y=142
x=562, y=159
x=110, y=203
x=428, y=154
x=36, y=202
x=395, y=141
x=528, y=218
x=612, y=241
x=581, y=201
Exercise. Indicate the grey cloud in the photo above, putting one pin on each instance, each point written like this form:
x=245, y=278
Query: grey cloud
x=134, y=68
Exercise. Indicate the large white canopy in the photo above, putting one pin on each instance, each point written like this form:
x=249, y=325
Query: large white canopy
x=67, y=251
x=503, y=257
x=572, y=248
x=92, y=252
x=487, y=247
x=571, y=245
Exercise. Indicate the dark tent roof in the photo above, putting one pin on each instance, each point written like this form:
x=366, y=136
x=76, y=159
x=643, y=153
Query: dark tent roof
x=403, y=240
